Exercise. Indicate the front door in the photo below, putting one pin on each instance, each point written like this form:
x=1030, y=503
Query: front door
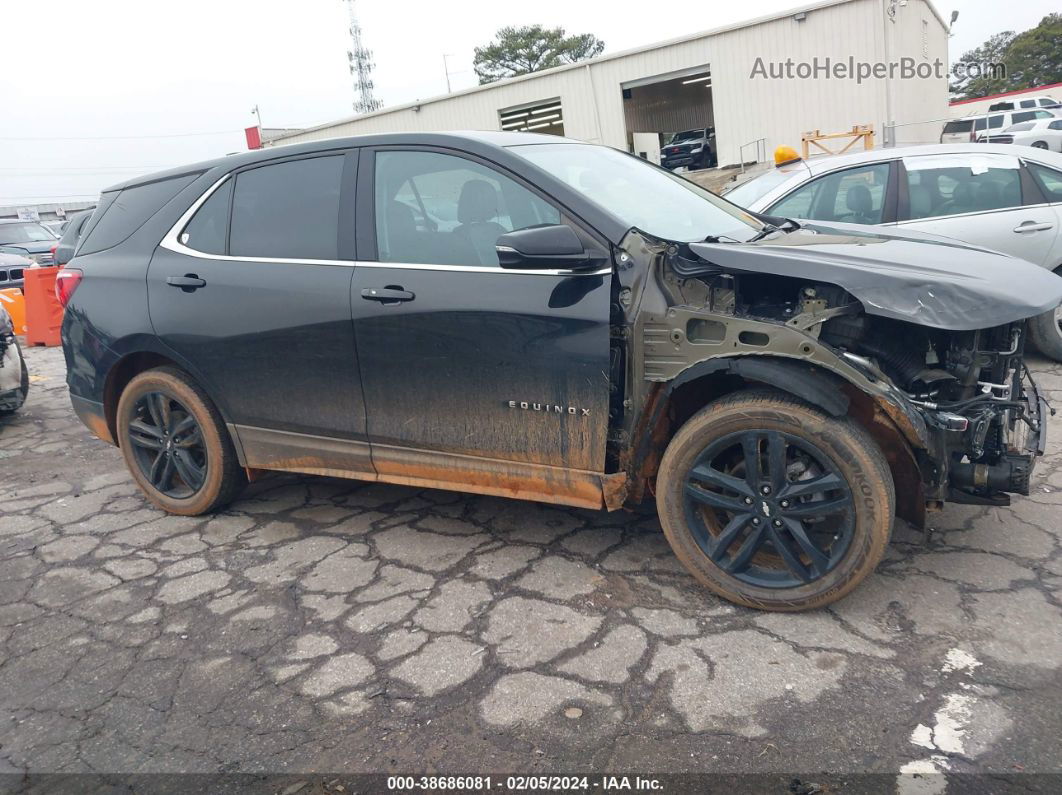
x=494, y=379
x=253, y=296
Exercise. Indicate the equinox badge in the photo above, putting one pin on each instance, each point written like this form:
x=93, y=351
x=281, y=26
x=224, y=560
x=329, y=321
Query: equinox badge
x=549, y=408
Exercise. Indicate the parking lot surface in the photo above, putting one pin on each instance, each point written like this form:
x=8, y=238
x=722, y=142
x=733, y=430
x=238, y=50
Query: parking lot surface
x=330, y=625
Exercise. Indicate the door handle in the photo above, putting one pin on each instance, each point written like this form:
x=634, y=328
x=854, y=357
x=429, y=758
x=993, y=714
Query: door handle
x=1031, y=226
x=188, y=282
x=387, y=295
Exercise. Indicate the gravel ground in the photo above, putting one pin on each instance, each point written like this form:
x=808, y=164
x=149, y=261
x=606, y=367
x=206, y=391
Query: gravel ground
x=330, y=625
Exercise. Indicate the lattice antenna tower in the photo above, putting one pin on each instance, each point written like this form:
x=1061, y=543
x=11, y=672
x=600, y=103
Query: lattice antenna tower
x=361, y=64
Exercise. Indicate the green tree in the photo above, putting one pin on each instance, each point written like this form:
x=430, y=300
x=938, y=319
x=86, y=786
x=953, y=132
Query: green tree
x=1032, y=58
x=971, y=76
x=531, y=48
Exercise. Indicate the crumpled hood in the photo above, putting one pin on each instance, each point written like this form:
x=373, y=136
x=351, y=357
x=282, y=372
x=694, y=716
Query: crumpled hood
x=915, y=277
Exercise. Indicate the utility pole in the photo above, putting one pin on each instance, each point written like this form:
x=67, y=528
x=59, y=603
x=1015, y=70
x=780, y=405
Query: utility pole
x=446, y=69
x=360, y=59
x=254, y=110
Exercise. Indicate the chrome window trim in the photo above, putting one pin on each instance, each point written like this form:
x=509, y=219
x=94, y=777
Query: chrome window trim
x=172, y=242
x=416, y=266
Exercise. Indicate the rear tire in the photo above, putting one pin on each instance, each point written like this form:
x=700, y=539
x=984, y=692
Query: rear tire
x=817, y=479
x=175, y=444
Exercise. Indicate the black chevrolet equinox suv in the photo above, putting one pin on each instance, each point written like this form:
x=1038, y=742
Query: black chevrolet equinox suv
x=529, y=316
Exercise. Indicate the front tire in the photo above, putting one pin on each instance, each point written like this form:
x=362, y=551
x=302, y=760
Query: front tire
x=772, y=504
x=1040, y=145
x=175, y=444
x=1045, y=331
x=23, y=387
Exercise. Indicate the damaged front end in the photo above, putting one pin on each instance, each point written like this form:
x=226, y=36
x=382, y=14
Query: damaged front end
x=834, y=317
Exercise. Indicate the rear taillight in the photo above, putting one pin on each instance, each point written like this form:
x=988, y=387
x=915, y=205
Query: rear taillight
x=52, y=249
x=66, y=281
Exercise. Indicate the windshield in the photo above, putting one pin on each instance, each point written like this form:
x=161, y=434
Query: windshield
x=689, y=135
x=28, y=232
x=753, y=190
x=640, y=194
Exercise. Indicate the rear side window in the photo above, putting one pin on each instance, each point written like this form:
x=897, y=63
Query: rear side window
x=1025, y=115
x=128, y=211
x=995, y=122
x=961, y=126
x=208, y=229
x=288, y=210
x=981, y=124
x=1028, y=103
x=959, y=184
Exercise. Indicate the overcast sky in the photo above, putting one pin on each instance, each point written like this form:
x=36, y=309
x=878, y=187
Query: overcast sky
x=80, y=73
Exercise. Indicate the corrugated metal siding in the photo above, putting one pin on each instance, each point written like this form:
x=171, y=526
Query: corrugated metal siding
x=744, y=109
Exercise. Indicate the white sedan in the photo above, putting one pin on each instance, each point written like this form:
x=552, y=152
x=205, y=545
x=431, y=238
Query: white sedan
x=991, y=195
x=1042, y=134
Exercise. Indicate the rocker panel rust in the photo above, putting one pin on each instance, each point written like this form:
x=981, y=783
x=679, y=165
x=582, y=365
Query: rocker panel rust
x=346, y=458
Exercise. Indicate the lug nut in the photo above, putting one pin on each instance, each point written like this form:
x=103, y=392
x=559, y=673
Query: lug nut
x=777, y=522
x=784, y=503
x=748, y=500
x=756, y=521
x=766, y=489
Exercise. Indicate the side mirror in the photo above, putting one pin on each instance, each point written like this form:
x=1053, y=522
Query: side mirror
x=554, y=246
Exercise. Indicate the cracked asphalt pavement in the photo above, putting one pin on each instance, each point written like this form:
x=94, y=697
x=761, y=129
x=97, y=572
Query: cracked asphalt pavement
x=331, y=625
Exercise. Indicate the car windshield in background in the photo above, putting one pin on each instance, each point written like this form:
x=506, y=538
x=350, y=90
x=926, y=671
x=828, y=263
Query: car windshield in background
x=748, y=192
x=28, y=232
x=689, y=135
x=642, y=195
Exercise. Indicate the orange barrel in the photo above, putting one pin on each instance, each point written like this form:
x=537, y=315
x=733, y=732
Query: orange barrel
x=44, y=315
x=14, y=302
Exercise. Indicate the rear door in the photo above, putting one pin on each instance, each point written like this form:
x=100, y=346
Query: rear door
x=985, y=199
x=497, y=379
x=251, y=289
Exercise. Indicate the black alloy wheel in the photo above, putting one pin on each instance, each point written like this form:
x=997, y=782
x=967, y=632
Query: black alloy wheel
x=168, y=446
x=769, y=508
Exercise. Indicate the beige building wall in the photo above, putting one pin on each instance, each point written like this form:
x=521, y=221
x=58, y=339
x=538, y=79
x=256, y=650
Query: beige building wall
x=745, y=108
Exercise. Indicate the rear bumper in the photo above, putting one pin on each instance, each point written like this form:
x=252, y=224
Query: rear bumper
x=92, y=415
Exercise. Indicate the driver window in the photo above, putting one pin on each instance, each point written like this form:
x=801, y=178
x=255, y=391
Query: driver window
x=437, y=209
x=854, y=196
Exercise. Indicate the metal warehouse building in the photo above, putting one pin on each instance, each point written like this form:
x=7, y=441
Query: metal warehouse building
x=719, y=78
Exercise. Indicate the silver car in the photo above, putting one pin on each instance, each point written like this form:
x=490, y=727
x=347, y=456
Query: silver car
x=991, y=195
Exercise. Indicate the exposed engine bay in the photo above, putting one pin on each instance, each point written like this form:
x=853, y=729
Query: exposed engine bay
x=972, y=387
x=971, y=413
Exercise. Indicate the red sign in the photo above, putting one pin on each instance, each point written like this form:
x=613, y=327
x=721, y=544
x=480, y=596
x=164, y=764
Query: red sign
x=254, y=137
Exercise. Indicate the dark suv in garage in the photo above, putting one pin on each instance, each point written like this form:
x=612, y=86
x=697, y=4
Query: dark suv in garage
x=529, y=316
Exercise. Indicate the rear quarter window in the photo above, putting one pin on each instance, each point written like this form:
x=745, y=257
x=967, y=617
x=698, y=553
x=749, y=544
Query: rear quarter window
x=121, y=213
